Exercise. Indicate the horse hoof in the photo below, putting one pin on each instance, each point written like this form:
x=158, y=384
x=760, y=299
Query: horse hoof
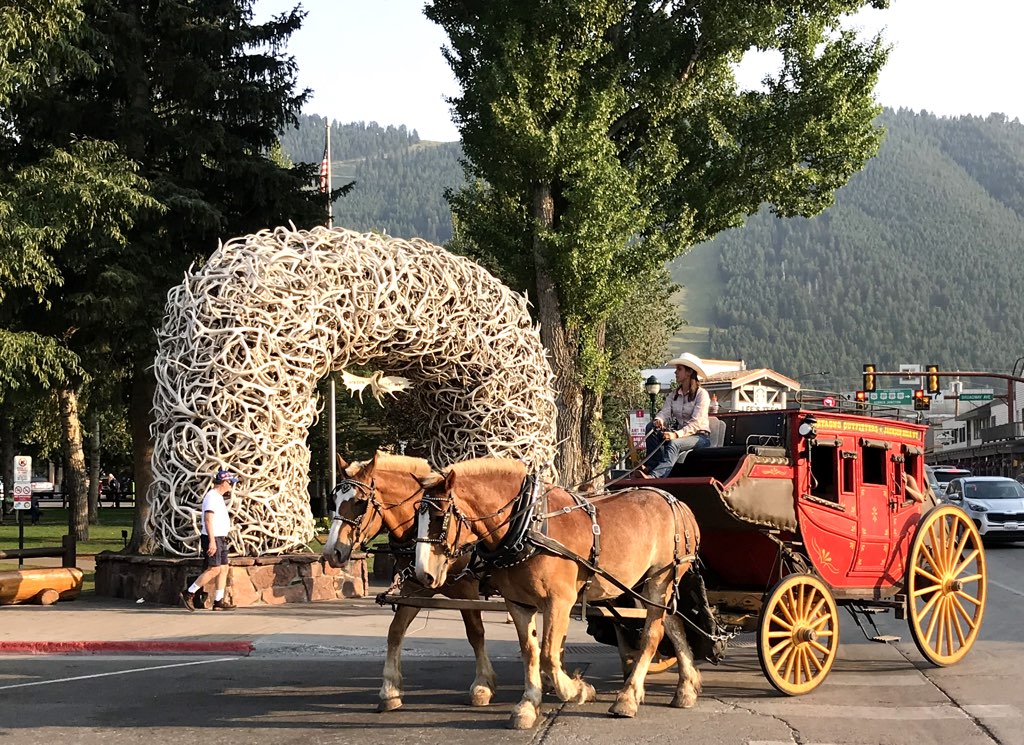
x=389, y=704
x=587, y=693
x=480, y=696
x=684, y=700
x=622, y=709
x=522, y=720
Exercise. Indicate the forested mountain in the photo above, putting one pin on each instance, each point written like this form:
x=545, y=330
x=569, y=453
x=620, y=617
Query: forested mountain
x=400, y=180
x=918, y=261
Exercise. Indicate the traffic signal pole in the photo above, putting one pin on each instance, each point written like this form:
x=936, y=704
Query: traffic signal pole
x=1010, y=380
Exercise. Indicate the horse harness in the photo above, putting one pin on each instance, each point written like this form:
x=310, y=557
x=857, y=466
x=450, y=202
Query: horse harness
x=528, y=532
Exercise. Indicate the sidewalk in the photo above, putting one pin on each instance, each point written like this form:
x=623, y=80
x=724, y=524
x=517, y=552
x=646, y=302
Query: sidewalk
x=354, y=627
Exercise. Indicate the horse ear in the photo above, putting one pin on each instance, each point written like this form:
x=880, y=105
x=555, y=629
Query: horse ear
x=430, y=481
x=342, y=463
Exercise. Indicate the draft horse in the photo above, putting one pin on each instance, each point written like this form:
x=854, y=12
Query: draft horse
x=549, y=548
x=378, y=495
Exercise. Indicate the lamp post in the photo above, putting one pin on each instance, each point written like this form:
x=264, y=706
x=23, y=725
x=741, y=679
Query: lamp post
x=653, y=388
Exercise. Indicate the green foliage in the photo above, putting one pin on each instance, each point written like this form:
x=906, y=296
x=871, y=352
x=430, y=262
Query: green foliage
x=628, y=115
x=637, y=338
x=630, y=110
x=918, y=261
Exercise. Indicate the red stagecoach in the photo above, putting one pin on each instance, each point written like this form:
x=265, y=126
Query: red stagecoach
x=802, y=511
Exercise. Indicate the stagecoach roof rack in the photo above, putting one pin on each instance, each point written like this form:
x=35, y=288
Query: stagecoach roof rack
x=813, y=400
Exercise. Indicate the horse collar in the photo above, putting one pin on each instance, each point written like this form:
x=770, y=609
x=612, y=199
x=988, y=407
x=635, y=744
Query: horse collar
x=514, y=547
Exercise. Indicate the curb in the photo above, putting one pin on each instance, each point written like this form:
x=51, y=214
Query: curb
x=238, y=647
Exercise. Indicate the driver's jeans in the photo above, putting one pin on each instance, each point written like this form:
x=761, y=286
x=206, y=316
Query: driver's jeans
x=663, y=454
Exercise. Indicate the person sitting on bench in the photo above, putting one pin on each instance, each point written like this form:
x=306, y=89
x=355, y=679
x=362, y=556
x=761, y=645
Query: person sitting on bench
x=682, y=424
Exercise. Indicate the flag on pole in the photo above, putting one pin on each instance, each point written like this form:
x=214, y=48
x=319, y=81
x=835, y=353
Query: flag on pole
x=325, y=170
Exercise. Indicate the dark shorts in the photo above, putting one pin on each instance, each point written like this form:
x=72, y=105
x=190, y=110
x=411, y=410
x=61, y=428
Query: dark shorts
x=220, y=556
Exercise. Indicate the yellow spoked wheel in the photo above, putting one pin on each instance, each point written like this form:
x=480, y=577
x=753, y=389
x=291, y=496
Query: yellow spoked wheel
x=798, y=634
x=946, y=583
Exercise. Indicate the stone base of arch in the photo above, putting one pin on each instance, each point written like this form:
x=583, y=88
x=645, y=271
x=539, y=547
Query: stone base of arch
x=265, y=580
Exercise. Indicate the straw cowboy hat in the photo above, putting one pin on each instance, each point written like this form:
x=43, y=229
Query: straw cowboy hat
x=691, y=361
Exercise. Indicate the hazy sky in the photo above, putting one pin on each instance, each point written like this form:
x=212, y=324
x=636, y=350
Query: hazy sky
x=380, y=60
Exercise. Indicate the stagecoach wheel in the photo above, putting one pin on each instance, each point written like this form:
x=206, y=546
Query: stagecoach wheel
x=798, y=634
x=946, y=585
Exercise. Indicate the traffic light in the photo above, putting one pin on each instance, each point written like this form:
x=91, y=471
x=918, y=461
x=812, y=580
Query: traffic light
x=869, y=378
x=861, y=399
x=921, y=401
x=932, y=379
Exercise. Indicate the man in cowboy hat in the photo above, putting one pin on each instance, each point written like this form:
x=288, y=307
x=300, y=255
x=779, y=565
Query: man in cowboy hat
x=682, y=423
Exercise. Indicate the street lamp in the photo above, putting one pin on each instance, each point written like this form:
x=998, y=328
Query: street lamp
x=653, y=388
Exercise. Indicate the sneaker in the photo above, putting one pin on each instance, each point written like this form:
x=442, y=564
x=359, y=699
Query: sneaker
x=188, y=600
x=222, y=605
x=199, y=598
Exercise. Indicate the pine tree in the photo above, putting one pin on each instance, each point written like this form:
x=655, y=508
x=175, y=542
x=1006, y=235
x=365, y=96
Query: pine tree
x=195, y=94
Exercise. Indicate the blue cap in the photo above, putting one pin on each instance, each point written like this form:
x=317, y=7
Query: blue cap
x=224, y=475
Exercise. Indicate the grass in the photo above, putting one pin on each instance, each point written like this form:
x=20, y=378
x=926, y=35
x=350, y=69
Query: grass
x=53, y=524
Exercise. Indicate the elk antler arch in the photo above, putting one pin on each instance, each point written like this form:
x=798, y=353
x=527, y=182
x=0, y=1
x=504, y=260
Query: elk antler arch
x=247, y=337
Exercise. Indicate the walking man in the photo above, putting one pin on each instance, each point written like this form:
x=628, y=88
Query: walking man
x=213, y=541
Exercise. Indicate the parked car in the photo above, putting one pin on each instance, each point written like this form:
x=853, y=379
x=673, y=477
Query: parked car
x=42, y=487
x=943, y=475
x=994, y=503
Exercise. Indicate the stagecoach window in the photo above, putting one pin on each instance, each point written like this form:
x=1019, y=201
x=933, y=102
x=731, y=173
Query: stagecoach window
x=848, y=464
x=823, y=472
x=874, y=461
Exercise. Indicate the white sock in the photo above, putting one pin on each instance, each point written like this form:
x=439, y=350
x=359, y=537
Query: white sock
x=218, y=595
x=193, y=587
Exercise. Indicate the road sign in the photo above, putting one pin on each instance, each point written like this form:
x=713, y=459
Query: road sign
x=829, y=401
x=907, y=379
x=892, y=396
x=22, y=482
x=975, y=396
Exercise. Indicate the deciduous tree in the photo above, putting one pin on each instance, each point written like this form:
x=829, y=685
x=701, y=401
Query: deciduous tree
x=604, y=137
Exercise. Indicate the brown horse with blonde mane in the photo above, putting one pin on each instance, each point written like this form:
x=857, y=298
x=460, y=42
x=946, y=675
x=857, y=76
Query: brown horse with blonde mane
x=381, y=494
x=570, y=549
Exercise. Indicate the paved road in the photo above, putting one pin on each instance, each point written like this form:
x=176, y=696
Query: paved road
x=875, y=694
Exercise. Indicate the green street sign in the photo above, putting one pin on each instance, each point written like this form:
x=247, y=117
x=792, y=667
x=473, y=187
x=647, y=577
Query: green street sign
x=891, y=396
x=975, y=396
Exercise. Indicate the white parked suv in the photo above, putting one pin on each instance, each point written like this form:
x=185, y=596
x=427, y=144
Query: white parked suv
x=942, y=475
x=994, y=503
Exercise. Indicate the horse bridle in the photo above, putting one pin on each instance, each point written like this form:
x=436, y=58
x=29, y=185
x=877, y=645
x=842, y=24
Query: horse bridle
x=450, y=510
x=369, y=500
x=461, y=520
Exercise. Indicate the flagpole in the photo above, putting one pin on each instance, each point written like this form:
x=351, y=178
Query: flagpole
x=330, y=207
x=334, y=423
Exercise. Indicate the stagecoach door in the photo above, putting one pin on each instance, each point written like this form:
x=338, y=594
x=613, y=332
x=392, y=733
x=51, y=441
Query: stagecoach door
x=904, y=511
x=886, y=511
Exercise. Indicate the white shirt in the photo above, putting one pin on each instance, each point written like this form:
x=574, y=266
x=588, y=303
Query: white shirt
x=691, y=417
x=214, y=502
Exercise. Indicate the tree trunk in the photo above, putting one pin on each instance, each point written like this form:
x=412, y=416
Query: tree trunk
x=7, y=456
x=562, y=344
x=140, y=412
x=94, y=472
x=74, y=463
x=592, y=424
